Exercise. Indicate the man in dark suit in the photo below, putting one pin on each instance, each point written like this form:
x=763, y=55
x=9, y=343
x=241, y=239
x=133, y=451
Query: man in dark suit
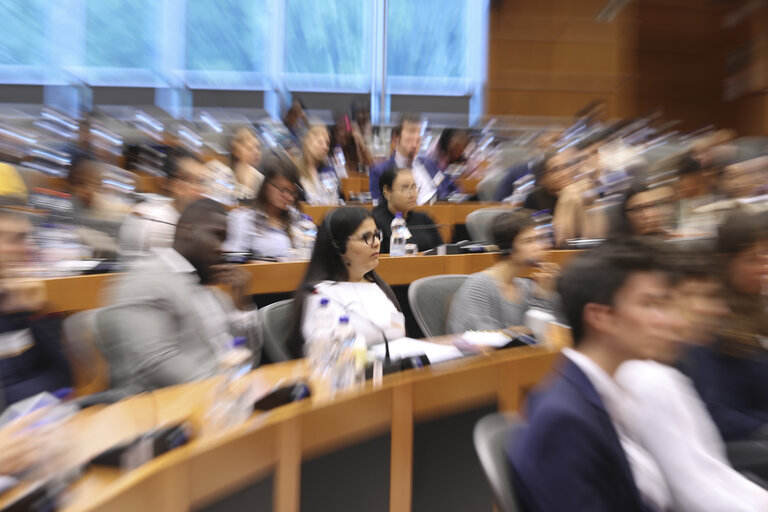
x=578, y=452
x=407, y=135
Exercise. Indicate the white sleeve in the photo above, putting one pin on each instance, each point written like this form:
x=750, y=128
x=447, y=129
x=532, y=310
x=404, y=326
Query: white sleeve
x=668, y=418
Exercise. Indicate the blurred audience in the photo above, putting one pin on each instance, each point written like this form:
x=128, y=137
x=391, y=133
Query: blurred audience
x=732, y=375
x=497, y=298
x=295, y=120
x=152, y=223
x=269, y=229
x=166, y=323
x=342, y=270
x=32, y=358
x=347, y=143
x=244, y=158
x=399, y=193
x=645, y=211
x=448, y=152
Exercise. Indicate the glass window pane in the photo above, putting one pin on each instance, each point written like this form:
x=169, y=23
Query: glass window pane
x=122, y=34
x=227, y=35
x=427, y=38
x=326, y=37
x=23, y=40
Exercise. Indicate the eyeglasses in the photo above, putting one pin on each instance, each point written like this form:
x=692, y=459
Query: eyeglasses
x=404, y=189
x=648, y=206
x=286, y=191
x=367, y=238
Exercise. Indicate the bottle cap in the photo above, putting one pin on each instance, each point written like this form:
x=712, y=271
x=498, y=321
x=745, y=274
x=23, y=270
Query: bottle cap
x=344, y=320
x=399, y=215
x=240, y=341
x=324, y=302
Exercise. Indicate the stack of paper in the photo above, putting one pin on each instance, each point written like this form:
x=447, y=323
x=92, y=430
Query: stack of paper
x=408, y=347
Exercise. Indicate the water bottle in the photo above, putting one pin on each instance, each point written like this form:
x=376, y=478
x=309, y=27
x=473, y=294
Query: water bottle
x=319, y=347
x=306, y=237
x=343, y=362
x=538, y=320
x=232, y=401
x=330, y=184
x=339, y=162
x=397, y=239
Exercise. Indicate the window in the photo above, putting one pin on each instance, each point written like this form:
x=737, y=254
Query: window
x=435, y=50
x=327, y=44
x=227, y=41
x=121, y=36
x=23, y=42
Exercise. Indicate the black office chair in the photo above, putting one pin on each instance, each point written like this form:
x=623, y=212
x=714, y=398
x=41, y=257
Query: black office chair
x=489, y=436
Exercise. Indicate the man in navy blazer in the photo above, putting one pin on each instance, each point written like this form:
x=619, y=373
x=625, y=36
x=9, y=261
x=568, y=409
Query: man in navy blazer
x=407, y=135
x=573, y=456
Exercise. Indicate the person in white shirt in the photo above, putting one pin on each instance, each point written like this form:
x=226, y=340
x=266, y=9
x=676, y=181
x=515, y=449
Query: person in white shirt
x=152, y=223
x=269, y=229
x=672, y=423
x=341, y=270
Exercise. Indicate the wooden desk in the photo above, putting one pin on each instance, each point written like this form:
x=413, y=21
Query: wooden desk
x=85, y=292
x=447, y=215
x=275, y=443
x=358, y=183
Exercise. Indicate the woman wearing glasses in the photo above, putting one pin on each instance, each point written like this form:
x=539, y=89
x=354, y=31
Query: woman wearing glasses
x=341, y=271
x=645, y=212
x=269, y=228
x=399, y=193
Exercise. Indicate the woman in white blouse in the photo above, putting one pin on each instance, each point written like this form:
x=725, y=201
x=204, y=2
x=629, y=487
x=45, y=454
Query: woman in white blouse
x=269, y=228
x=341, y=270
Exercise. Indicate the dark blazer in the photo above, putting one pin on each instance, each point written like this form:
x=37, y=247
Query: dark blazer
x=540, y=199
x=569, y=458
x=506, y=186
x=425, y=234
x=41, y=367
x=447, y=186
x=735, y=389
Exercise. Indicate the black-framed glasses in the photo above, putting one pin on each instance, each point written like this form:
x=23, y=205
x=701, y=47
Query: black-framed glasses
x=404, y=189
x=367, y=238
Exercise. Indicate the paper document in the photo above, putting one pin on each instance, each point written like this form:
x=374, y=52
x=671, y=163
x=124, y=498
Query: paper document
x=408, y=347
x=486, y=338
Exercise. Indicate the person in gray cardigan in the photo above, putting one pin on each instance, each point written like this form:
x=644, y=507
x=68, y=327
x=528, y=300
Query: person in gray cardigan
x=496, y=298
x=165, y=325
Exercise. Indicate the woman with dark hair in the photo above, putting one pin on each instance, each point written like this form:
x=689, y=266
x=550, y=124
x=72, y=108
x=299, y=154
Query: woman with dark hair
x=496, y=298
x=341, y=270
x=644, y=211
x=319, y=183
x=732, y=376
x=245, y=156
x=399, y=193
x=269, y=228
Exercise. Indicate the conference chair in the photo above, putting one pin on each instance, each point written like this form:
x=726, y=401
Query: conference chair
x=487, y=186
x=89, y=366
x=479, y=223
x=275, y=321
x=430, y=299
x=489, y=436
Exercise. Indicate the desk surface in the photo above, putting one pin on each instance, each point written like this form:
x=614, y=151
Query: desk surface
x=210, y=468
x=78, y=293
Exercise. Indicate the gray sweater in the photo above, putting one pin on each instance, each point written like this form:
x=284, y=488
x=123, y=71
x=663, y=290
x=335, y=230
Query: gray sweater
x=479, y=305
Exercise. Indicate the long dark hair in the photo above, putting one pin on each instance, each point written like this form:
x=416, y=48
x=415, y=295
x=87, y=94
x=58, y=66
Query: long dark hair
x=277, y=164
x=326, y=265
x=387, y=179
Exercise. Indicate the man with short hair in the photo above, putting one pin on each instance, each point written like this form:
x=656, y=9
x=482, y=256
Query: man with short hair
x=152, y=223
x=578, y=451
x=407, y=137
x=166, y=324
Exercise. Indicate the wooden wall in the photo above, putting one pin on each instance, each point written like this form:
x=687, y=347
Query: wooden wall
x=551, y=57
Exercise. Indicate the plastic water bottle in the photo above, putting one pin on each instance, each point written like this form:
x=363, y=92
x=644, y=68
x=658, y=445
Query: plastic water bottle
x=343, y=375
x=339, y=162
x=538, y=320
x=397, y=239
x=232, y=398
x=306, y=237
x=319, y=348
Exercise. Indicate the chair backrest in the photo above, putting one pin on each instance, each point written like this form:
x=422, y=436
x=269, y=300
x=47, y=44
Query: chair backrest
x=479, y=223
x=430, y=299
x=487, y=186
x=90, y=367
x=276, y=328
x=489, y=436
